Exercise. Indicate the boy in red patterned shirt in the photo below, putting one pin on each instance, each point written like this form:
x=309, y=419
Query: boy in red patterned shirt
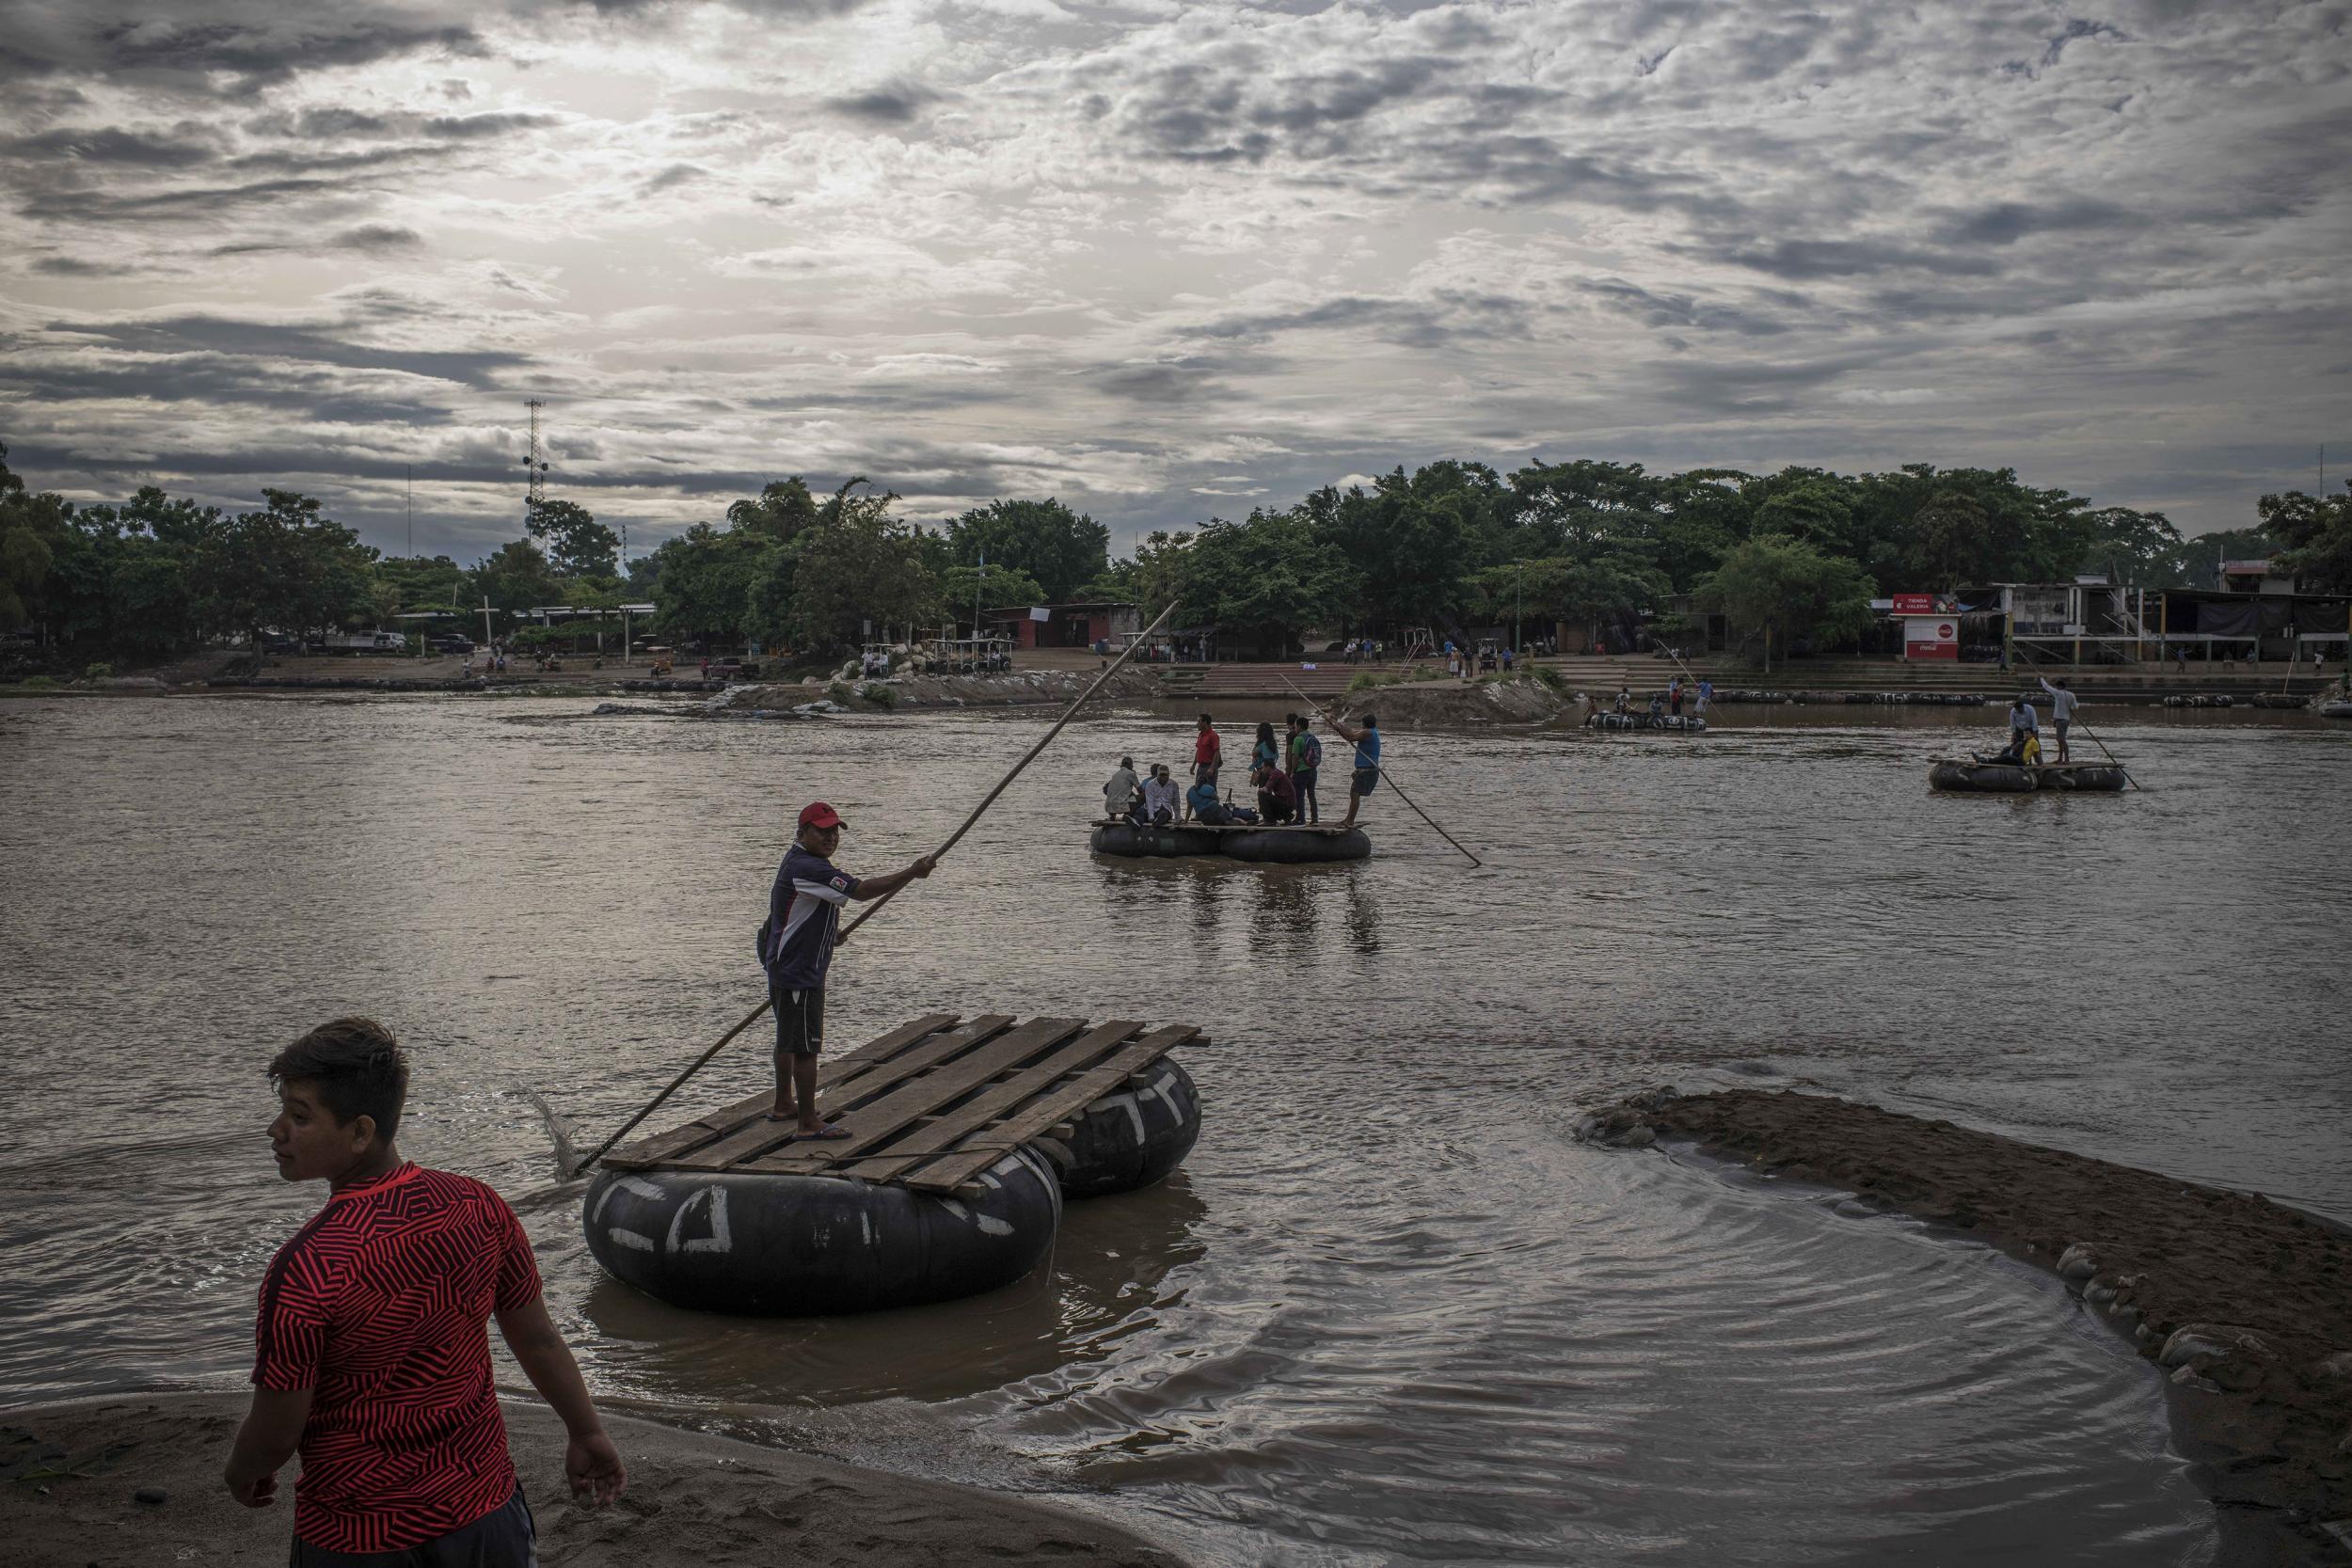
x=373, y=1358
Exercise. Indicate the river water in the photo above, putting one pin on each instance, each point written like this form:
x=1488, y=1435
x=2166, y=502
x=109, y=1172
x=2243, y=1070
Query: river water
x=1389, y=1311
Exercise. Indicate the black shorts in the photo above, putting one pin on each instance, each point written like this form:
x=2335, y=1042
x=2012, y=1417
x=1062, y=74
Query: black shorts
x=1364, y=781
x=502, y=1538
x=800, y=1020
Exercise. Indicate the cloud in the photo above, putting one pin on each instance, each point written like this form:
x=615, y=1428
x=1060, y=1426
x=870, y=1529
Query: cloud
x=896, y=105
x=1143, y=254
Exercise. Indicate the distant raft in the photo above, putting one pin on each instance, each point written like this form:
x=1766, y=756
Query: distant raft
x=1245, y=842
x=1970, y=777
x=1680, y=723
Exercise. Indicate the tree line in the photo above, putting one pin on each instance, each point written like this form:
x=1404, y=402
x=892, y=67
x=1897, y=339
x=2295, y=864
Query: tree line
x=1793, y=557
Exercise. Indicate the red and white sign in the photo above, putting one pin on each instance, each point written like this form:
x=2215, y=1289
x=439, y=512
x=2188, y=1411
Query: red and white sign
x=1931, y=637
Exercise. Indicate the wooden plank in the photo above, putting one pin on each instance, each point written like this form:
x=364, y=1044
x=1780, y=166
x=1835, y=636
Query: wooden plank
x=759, y=1135
x=872, y=1078
x=882, y=1046
x=952, y=1170
x=874, y=1122
x=965, y=1120
x=716, y=1124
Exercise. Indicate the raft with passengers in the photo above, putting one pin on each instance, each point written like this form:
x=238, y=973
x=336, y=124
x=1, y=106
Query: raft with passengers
x=2020, y=768
x=1148, y=818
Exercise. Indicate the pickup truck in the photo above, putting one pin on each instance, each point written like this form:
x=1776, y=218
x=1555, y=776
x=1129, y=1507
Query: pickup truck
x=733, y=669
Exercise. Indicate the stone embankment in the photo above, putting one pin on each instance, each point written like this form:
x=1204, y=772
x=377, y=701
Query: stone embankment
x=895, y=693
x=1410, y=704
x=2245, y=1303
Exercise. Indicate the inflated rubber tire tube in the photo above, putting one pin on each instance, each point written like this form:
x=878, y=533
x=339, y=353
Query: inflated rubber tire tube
x=1130, y=1139
x=816, y=1245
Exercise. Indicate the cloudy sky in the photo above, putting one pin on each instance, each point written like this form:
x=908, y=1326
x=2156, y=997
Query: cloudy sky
x=1164, y=261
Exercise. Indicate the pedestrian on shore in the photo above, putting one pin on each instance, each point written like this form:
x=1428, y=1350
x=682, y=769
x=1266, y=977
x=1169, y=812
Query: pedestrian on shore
x=1366, y=739
x=1208, y=756
x=372, y=1358
x=2061, y=712
x=1305, y=759
x=1122, y=792
x=796, y=949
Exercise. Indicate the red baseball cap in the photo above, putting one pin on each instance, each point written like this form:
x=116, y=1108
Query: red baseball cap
x=819, y=814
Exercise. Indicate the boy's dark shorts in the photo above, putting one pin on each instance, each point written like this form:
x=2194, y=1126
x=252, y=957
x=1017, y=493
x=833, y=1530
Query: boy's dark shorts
x=502, y=1538
x=800, y=1020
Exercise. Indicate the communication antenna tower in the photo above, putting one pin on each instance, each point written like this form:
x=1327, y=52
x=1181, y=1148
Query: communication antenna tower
x=534, y=467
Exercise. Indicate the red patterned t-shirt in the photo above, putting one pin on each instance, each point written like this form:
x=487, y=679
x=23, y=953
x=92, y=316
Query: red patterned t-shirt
x=380, y=1305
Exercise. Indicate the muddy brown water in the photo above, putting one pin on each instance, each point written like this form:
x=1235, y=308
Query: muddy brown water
x=1389, y=1311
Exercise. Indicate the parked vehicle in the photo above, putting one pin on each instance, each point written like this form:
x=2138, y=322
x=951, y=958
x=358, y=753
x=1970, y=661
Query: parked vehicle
x=360, y=642
x=449, y=645
x=661, y=660
x=733, y=669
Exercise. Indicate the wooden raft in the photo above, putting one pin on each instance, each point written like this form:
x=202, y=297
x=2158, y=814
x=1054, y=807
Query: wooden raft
x=929, y=1105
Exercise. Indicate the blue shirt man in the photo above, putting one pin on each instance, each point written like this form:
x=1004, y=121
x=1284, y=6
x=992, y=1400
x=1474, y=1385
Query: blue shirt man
x=1366, y=739
x=804, y=924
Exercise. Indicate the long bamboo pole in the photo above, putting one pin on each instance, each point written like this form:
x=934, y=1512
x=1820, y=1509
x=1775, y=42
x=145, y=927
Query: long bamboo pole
x=1385, y=774
x=875, y=908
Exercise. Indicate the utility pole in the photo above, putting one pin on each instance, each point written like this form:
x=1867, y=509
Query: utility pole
x=412, y=511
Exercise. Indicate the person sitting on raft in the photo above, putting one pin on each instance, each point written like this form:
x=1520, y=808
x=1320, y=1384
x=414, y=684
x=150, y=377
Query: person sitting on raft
x=1277, y=797
x=1160, y=800
x=1121, y=795
x=1204, y=805
x=2023, y=749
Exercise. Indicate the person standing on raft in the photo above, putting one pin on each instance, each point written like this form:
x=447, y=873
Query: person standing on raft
x=1208, y=756
x=1367, y=743
x=803, y=923
x=371, y=1352
x=2061, y=713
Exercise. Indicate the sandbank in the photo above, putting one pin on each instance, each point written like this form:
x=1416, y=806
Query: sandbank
x=2245, y=1303
x=74, y=1473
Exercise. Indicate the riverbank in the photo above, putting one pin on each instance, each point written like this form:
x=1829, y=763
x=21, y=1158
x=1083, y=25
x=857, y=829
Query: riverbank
x=2247, y=1304
x=137, y=1480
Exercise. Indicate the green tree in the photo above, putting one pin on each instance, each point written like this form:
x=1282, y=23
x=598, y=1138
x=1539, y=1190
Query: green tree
x=1789, y=593
x=861, y=565
x=577, y=545
x=420, y=582
x=783, y=511
x=514, y=578
x=1410, y=540
x=2131, y=547
x=1264, y=580
x=1811, y=505
x=992, y=586
x=1060, y=548
x=32, y=526
x=705, y=579
x=1614, y=590
x=2316, y=534
x=286, y=566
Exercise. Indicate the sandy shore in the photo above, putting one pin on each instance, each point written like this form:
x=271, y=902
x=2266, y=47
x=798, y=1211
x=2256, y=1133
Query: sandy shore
x=76, y=1473
x=2247, y=1304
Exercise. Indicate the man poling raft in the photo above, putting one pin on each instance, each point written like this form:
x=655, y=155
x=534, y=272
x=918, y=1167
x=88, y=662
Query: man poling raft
x=935, y=1165
x=2018, y=768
